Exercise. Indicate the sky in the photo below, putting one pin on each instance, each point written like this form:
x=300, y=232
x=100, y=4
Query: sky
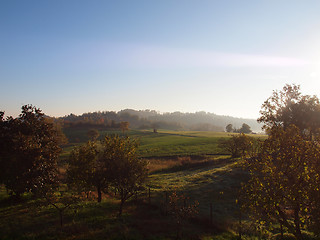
x=224, y=57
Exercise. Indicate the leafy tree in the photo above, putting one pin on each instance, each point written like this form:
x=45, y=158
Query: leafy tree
x=155, y=127
x=93, y=134
x=245, y=128
x=285, y=178
x=86, y=169
x=288, y=107
x=229, y=128
x=61, y=200
x=181, y=210
x=124, y=126
x=238, y=145
x=29, y=151
x=126, y=172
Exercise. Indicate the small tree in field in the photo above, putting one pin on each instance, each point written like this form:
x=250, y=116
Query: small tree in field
x=93, y=134
x=86, y=170
x=124, y=126
x=229, y=128
x=181, y=210
x=238, y=145
x=245, y=128
x=60, y=199
x=126, y=172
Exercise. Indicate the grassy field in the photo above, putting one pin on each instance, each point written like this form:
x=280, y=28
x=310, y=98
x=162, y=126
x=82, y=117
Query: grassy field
x=164, y=143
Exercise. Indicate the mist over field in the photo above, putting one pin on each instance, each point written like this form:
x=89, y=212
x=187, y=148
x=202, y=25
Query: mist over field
x=146, y=119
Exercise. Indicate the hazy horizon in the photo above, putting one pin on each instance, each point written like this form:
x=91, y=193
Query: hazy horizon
x=158, y=112
x=117, y=111
x=222, y=57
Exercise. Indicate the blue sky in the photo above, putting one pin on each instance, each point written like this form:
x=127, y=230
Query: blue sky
x=224, y=57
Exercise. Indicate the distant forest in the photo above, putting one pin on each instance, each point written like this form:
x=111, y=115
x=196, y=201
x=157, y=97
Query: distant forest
x=150, y=119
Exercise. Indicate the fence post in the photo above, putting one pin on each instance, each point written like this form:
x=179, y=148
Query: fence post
x=240, y=221
x=149, y=196
x=166, y=204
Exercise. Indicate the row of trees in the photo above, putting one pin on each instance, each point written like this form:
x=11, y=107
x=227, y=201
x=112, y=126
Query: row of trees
x=112, y=162
x=245, y=128
x=146, y=119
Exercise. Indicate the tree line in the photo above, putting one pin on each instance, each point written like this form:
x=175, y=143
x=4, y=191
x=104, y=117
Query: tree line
x=150, y=119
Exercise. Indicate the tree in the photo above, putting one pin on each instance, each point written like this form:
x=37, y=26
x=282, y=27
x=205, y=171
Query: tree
x=29, y=151
x=285, y=178
x=288, y=107
x=181, y=210
x=86, y=169
x=238, y=145
x=229, y=128
x=93, y=134
x=245, y=128
x=61, y=200
x=155, y=127
x=124, y=126
x=126, y=172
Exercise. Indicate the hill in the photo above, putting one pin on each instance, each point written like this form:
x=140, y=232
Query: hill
x=146, y=119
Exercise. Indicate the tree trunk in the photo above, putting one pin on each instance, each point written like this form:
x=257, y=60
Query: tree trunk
x=99, y=193
x=178, y=230
x=240, y=223
x=121, y=207
x=281, y=231
x=16, y=196
x=297, y=233
x=283, y=220
x=60, y=215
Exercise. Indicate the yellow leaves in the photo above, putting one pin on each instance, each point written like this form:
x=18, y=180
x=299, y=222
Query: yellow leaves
x=286, y=173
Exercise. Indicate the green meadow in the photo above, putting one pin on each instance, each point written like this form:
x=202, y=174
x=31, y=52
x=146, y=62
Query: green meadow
x=164, y=143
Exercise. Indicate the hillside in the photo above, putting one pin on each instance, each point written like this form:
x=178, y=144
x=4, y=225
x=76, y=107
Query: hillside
x=146, y=119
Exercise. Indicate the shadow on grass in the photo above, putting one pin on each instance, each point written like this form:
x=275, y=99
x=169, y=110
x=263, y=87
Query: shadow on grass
x=34, y=220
